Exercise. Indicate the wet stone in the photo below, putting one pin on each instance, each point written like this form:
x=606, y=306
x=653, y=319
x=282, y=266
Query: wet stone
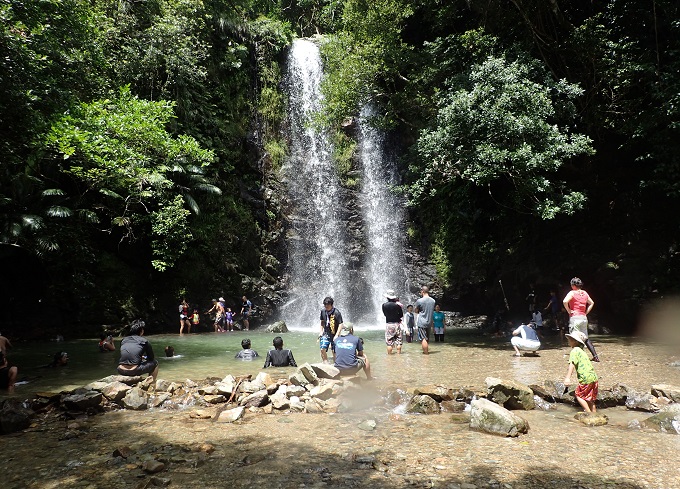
x=115, y=391
x=436, y=392
x=453, y=406
x=423, y=405
x=153, y=466
x=510, y=394
x=136, y=399
x=82, y=400
x=489, y=417
x=592, y=419
x=672, y=392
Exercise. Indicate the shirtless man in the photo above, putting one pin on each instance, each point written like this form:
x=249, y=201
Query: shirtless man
x=4, y=344
x=8, y=374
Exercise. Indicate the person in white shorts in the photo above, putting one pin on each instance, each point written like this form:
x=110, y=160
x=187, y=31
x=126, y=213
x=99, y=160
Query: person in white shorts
x=525, y=338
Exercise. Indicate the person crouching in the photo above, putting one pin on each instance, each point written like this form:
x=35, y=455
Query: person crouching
x=136, y=354
x=525, y=338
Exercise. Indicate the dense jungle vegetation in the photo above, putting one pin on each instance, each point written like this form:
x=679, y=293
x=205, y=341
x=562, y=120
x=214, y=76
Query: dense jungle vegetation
x=139, y=140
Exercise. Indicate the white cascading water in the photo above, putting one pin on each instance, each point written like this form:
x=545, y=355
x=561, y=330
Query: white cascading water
x=383, y=215
x=317, y=256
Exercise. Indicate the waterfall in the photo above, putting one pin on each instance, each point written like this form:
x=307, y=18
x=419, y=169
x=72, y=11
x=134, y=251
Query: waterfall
x=383, y=215
x=346, y=243
x=317, y=265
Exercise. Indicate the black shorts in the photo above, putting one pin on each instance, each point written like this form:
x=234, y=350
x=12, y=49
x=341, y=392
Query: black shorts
x=423, y=334
x=144, y=368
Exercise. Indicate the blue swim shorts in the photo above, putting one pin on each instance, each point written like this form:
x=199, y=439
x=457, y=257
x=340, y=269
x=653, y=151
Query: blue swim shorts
x=325, y=341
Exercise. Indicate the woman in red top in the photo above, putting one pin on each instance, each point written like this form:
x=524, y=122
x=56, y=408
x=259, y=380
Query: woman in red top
x=578, y=305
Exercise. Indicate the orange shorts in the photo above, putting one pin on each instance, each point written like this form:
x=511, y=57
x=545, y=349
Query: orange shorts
x=587, y=392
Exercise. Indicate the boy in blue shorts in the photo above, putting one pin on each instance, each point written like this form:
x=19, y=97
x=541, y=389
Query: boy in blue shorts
x=331, y=326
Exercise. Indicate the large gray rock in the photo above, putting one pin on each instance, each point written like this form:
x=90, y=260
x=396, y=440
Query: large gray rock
x=136, y=399
x=556, y=391
x=423, y=405
x=280, y=400
x=163, y=385
x=129, y=380
x=225, y=388
x=295, y=390
x=667, y=421
x=489, y=417
x=95, y=386
x=14, y=416
x=436, y=392
x=325, y=371
x=642, y=402
x=82, y=400
x=251, y=387
x=231, y=415
x=672, y=392
x=323, y=392
x=115, y=391
x=308, y=371
x=256, y=399
x=298, y=379
x=510, y=394
x=277, y=327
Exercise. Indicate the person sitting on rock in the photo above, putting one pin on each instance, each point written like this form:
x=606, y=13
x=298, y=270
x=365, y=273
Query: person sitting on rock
x=278, y=357
x=525, y=338
x=8, y=373
x=136, y=354
x=247, y=353
x=349, y=351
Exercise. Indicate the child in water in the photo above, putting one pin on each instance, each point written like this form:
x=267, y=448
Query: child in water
x=586, y=392
x=195, y=319
x=230, y=319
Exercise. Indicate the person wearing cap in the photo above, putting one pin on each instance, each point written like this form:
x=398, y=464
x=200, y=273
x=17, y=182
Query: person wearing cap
x=578, y=305
x=393, y=318
x=350, y=357
x=136, y=354
x=331, y=327
x=586, y=392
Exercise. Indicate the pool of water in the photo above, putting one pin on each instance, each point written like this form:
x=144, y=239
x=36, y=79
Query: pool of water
x=465, y=359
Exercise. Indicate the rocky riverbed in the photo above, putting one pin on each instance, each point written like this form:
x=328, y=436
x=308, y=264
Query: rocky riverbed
x=302, y=429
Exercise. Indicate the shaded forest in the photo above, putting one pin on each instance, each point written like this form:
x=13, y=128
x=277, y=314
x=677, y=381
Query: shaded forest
x=140, y=143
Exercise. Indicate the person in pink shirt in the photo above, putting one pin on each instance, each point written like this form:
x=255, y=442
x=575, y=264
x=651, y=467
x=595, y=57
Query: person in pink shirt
x=578, y=305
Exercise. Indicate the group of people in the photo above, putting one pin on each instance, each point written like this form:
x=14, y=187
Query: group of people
x=224, y=317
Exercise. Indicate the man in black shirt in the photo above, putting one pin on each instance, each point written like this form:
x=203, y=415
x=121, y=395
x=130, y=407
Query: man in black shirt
x=136, y=354
x=393, y=318
x=278, y=357
x=331, y=326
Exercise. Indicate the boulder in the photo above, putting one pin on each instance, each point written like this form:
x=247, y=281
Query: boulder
x=214, y=399
x=14, y=416
x=453, y=406
x=277, y=327
x=163, y=385
x=510, y=394
x=489, y=417
x=559, y=392
x=296, y=404
x=325, y=371
x=231, y=415
x=423, y=405
x=95, y=386
x=160, y=398
x=323, y=392
x=129, y=380
x=667, y=421
x=607, y=398
x=225, y=388
x=209, y=390
x=295, y=390
x=251, y=387
x=264, y=378
x=314, y=406
x=298, y=379
x=672, y=392
x=641, y=402
x=621, y=392
x=280, y=401
x=81, y=400
x=436, y=392
x=308, y=371
x=136, y=399
x=542, y=404
x=115, y=391
x=592, y=419
x=256, y=399
x=147, y=384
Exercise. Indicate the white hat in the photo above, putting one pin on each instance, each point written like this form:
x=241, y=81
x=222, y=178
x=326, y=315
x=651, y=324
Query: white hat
x=577, y=336
x=390, y=295
x=221, y=299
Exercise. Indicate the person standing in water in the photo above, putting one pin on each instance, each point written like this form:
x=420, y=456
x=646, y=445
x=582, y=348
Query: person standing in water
x=184, y=317
x=393, y=317
x=424, y=309
x=578, y=305
x=438, y=321
x=331, y=326
x=410, y=321
x=246, y=308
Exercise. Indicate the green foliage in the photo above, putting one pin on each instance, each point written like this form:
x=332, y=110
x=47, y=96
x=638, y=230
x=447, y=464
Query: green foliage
x=344, y=148
x=500, y=127
x=130, y=170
